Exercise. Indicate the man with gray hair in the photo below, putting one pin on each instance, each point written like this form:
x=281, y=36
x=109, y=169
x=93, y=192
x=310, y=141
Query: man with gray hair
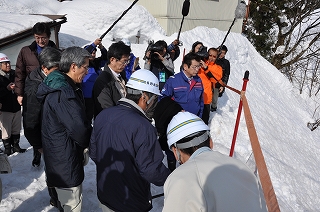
x=49, y=60
x=65, y=128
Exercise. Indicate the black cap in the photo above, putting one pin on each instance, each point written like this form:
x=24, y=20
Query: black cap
x=163, y=113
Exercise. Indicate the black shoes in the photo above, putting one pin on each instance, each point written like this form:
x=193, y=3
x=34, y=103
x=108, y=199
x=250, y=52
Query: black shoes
x=36, y=158
x=15, y=140
x=7, y=146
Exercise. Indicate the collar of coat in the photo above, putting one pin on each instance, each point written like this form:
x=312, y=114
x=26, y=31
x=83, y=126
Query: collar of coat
x=33, y=45
x=129, y=103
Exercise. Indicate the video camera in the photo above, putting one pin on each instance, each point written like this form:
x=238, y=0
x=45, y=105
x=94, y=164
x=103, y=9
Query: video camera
x=155, y=48
x=158, y=47
x=203, y=53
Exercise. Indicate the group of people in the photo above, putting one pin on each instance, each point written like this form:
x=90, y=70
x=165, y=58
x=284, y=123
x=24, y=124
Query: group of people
x=61, y=93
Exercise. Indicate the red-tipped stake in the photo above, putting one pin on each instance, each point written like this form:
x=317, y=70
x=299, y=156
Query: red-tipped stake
x=244, y=87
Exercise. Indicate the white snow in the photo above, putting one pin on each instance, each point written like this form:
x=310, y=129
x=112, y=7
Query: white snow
x=280, y=115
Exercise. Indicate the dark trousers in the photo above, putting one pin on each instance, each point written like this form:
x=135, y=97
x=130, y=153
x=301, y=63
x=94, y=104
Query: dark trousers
x=206, y=113
x=89, y=108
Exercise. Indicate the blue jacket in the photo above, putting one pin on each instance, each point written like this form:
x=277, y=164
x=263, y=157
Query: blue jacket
x=88, y=82
x=189, y=96
x=128, y=157
x=65, y=130
x=128, y=69
x=93, y=71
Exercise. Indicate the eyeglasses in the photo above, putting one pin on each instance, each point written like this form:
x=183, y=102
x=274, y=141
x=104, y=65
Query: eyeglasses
x=85, y=67
x=195, y=67
x=124, y=62
x=6, y=62
x=41, y=38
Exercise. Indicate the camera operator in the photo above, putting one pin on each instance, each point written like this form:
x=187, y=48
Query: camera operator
x=213, y=72
x=206, y=82
x=159, y=62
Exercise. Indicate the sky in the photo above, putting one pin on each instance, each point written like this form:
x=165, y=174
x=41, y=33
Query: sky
x=280, y=114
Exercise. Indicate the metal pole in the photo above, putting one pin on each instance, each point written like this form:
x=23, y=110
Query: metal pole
x=114, y=23
x=244, y=87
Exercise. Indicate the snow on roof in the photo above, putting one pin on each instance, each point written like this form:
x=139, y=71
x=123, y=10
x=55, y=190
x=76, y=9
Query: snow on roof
x=9, y=24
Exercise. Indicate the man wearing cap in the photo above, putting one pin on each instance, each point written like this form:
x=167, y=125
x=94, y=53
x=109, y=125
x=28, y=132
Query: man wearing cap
x=125, y=148
x=207, y=180
x=10, y=116
x=95, y=65
x=186, y=87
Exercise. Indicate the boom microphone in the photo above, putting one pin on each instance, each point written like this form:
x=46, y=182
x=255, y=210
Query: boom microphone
x=185, y=7
x=241, y=10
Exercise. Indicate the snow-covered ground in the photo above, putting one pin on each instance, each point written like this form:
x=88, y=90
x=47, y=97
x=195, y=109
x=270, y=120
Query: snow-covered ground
x=291, y=150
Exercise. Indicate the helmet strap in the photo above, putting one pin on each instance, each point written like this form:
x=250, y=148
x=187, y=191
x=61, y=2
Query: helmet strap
x=178, y=154
x=151, y=98
x=133, y=91
x=193, y=142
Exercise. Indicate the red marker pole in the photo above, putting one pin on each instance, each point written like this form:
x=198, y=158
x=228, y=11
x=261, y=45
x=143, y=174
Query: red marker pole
x=244, y=87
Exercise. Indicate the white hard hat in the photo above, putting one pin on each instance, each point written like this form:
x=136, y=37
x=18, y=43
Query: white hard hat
x=182, y=125
x=4, y=58
x=126, y=41
x=144, y=80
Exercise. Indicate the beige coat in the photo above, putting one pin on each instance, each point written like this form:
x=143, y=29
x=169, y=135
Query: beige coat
x=213, y=182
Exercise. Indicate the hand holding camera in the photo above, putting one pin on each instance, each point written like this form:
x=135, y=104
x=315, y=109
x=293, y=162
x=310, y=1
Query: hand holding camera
x=203, y=65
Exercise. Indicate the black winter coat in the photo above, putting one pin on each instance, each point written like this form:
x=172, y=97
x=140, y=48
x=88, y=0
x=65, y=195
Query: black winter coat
x=8, y=99
x=225, y=64
x=105, y=94
x=32, y=108
x=65, y=130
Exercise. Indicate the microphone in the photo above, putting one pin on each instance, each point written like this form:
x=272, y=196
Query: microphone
x=185, y=7
x=241, y=10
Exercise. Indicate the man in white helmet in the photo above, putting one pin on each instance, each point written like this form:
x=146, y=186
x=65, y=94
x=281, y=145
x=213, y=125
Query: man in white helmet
x=125, y=149
x=10, y=116
x=207, y=180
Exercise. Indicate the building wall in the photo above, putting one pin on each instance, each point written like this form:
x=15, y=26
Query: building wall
x=211, y=13
x=12, y=50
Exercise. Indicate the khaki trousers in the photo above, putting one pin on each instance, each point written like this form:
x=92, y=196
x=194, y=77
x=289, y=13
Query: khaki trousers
x=105, y=208
x=10, y=124
x=70, y=198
